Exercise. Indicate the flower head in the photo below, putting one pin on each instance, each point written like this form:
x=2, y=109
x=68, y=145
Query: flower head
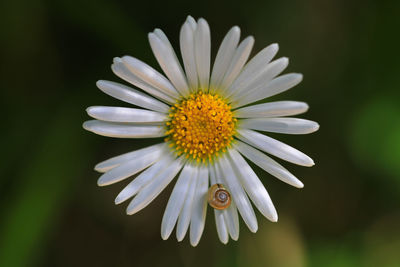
x=209, y=130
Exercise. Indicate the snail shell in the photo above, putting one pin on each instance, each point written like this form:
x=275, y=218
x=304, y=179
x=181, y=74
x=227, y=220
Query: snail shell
x=218, y=197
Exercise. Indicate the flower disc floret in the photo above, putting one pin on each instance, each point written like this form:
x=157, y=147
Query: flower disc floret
x=201, y=126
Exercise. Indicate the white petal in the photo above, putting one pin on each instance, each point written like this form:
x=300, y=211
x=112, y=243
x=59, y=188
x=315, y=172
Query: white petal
x=149, y=75
x=259, y=79
x=176, y=201
x=129, y=168
x=235, y=188
x=199, y=207
x=168, y=61
x=275, y=147
x=254, y=67
x=116, y=161
x=253, y=186
x=150, y=191
x=144, y=178
x=122, y=71
x=187, y=51
x=132, y=96
x=281, y=125
x=120, y=114
x=222, y=230
x=202, y=48
x=192, y=22
x=120, y=130
x=240, y=57
x=186, y=212
x=272, y=109
x=267, y=164
x=232, y=220
x=231, y=217
x=161, y=35
x=276, y=86
x=224, y=57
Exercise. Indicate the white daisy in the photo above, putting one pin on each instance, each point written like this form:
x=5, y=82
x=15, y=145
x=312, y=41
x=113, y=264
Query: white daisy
x=208, y=130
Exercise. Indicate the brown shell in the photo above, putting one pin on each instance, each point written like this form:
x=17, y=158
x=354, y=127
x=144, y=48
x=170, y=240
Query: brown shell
x=218, y=197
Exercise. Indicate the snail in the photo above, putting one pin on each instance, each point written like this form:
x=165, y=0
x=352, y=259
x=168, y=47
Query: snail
x=218, y=197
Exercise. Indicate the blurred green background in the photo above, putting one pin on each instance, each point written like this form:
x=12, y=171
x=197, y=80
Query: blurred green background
x=53, y=213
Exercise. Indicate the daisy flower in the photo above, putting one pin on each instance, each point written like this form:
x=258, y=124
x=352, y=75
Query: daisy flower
x=209, y=129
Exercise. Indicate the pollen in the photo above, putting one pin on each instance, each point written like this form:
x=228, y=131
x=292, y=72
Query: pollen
x=201, y=126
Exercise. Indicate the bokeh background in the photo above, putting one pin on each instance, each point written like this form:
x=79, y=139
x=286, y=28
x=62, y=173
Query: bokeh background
x=53, y=214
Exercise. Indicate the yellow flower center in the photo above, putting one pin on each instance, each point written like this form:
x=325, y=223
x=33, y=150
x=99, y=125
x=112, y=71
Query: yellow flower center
x=201, y=126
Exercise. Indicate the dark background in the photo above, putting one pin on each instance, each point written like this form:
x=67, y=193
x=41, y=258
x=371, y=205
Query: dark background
x=53, y=213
